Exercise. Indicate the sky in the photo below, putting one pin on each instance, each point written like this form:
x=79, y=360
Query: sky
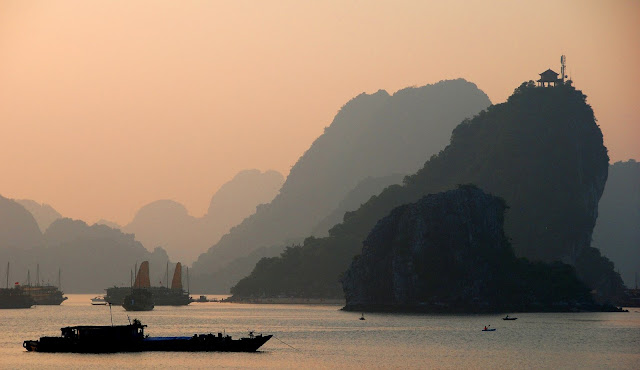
x=106, y=106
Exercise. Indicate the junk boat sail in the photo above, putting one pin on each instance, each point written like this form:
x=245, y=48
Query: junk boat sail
x=140, y=297
x=162, y=296
x=14, y=297
x=131, y=338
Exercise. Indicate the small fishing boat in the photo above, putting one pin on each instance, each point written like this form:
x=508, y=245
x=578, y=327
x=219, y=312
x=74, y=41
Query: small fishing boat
x=509, y=318
x=487, y=329
x=131, y=338
x=362, y=317
x=98, y=301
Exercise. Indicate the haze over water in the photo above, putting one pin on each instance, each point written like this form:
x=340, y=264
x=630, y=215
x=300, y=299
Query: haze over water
x=107, y=106
x=322, y=336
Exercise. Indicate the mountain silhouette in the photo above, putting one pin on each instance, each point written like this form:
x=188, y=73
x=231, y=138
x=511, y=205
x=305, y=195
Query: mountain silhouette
x=617, y=230
x=91, y=258
x=354, y=199
x=371, y=136
x=167, y=223
x=43, y=213
x=18, y=227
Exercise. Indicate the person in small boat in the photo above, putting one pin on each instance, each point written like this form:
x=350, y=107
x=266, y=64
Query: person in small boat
x=485, y=327
x=506, y=317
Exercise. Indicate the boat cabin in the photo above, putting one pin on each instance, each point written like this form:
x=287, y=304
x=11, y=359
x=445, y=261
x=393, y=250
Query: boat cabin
x=133, y=331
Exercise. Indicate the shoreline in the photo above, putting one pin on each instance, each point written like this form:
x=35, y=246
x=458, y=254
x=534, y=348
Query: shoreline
x=289, y=300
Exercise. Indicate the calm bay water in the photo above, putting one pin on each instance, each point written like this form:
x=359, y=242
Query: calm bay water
x=311, y=336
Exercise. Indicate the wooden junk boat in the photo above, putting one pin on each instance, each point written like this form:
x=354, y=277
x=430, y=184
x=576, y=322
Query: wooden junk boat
x=131, y=338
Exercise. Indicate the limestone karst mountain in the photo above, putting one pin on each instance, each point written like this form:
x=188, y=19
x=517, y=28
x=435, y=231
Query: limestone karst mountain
x=371, y=136
x=91, y=257
x=168, y=224
x=541, y=151
x=617, y=230
x=448, y=252
x=18, y=227
x=43, y=213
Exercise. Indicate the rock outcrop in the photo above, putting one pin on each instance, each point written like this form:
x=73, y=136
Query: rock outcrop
x=448, y=252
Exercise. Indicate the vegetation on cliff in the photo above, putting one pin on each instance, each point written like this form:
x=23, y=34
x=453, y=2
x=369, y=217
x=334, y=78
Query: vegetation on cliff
x=448, y=252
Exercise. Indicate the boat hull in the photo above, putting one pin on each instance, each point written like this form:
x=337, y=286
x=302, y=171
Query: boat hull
x=15, y=298
x=199, y=343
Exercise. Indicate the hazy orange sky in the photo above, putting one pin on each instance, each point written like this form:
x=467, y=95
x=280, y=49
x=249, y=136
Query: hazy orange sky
x=108, y=105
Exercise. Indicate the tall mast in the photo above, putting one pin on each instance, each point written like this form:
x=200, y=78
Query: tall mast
x=188, y=282
x=38, y=275
x=7, y=275
x=167, y=278
x=28, y=278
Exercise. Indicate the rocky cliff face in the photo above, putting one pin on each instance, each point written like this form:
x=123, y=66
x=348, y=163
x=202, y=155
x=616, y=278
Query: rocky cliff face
x=413, y=256
x=448, y=252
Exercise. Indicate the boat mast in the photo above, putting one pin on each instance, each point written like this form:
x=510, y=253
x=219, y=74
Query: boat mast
x=7, y=275
x=188, y=282
x=28, y=278
x=167, y=281
x=38, y=275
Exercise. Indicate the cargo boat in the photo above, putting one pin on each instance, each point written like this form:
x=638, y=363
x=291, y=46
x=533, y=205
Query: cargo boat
x=131, y=338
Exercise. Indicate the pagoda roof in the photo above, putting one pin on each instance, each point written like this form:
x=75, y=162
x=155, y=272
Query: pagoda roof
x=548, y=76
x=549, y=73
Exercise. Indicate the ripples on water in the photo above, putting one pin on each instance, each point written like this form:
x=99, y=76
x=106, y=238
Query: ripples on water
x=325, y=337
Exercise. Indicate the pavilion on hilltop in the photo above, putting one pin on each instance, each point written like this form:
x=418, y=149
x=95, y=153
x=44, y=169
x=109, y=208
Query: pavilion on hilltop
x=548, y=77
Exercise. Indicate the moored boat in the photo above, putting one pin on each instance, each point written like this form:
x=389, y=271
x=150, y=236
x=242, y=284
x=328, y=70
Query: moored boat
x=138, y=300
x=140, y=297
x=45, y=295
x=131, y=338
x=98, y=301
x=162, y=296
x=14, y=297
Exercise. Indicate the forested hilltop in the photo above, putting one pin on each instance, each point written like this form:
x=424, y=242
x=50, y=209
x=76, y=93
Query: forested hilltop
x=541, y=151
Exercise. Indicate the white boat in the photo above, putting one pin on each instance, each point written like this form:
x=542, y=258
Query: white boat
x=98, y=301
